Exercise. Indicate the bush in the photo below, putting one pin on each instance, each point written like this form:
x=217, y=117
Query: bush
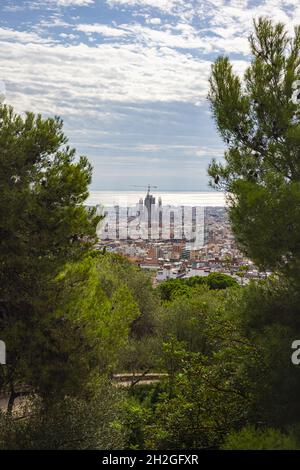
x=173, y=288
x=70, y=423
x=250, y=438
x=220, y=281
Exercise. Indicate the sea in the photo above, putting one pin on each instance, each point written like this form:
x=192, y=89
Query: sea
x=173, y=198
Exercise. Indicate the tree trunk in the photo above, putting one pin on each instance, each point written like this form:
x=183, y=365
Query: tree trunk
x=11, y=400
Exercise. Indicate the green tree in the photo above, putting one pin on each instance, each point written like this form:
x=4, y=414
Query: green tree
x=268, y=315
x=173, y=288
x=220, y=281
x=43, y=225
x=210, y=393
x=140, y=285
x=185, y=317
x=101, y=305
x=260, y=124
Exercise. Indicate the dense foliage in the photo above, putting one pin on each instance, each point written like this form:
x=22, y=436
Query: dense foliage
x=231, y=382
x=72, y=317
x=70, y=423
x=260, y=124
x=172, y=287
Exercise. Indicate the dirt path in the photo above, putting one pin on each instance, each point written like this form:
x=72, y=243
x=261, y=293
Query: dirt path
x=129, y=380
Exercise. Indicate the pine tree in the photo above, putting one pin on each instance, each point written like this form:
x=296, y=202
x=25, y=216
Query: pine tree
x=43, y=225
x=259, y=120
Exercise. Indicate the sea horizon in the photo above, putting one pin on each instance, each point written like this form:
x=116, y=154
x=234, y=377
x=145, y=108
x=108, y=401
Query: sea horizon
x=125, y=198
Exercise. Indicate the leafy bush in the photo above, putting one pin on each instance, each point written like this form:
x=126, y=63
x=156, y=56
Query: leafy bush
x=173, y=288
x=220, y=281
x=70, y=423
x=250, y=438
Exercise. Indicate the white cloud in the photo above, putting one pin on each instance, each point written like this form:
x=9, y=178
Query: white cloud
x=69, y=3
x=153, y=21
x=210, y=152
x=65, y=80
x=68, y=36
x=144, y=63
x=52, y=4
x=102, y=29
x=230, y=19
x=164, y=5
x=8, y=34
x=165, y=38
x=12, y=8
x=181, y=36
x=127, y=93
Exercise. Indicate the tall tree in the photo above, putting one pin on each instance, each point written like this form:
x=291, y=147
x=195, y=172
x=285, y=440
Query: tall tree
x=259, y=120
x=43, y=224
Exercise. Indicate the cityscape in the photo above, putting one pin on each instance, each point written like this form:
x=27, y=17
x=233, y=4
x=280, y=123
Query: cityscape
x=150, y=230
x=162, y=246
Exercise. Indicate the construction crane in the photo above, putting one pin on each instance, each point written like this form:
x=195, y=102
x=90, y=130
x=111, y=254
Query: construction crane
x=148, y=187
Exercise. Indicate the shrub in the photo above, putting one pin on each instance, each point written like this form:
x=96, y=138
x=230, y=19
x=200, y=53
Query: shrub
x=250, y=438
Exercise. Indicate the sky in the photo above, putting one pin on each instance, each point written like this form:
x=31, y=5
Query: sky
x=130, y=78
